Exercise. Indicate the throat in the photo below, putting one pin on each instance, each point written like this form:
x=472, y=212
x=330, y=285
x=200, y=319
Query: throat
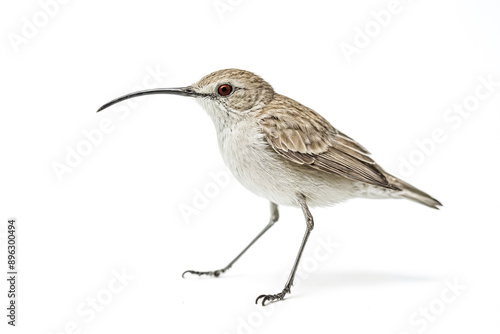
x=222, y=118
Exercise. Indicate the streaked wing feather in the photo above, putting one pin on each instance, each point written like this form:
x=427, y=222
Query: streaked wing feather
x=305, y=138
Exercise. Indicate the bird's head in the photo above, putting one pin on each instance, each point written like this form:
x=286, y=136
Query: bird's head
x=226, y=93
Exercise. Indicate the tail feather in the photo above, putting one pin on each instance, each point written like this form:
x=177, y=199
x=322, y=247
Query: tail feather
x=410, y=192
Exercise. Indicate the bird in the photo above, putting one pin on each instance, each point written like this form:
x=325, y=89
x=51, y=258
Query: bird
x=286, y=153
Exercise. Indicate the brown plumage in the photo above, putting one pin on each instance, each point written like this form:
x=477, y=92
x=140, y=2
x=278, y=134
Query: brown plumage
x=303, y=136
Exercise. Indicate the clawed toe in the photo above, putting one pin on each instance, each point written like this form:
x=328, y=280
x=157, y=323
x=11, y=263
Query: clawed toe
x=272, y=298
x=215, y=273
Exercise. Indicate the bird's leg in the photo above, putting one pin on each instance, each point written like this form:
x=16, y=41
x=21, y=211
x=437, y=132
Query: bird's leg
x=216, y=273
x=289, y=282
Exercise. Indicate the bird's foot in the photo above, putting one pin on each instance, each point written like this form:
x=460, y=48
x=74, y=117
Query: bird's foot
x=273, y=298
x=214, y=273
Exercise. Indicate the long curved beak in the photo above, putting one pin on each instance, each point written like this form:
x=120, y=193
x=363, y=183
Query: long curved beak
x=183, y=91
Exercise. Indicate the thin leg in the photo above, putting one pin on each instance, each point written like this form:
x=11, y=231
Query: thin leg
x=289, y=282
x=216, y=273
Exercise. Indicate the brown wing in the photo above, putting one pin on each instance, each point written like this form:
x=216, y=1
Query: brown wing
x=304, y=137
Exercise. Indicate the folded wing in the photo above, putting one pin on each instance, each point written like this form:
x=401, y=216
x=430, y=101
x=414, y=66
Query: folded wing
x=304, y=137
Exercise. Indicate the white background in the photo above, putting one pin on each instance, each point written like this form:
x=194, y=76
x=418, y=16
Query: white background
x=120, y=207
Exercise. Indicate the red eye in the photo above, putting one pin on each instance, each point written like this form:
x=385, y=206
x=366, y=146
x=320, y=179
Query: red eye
x=225, y=90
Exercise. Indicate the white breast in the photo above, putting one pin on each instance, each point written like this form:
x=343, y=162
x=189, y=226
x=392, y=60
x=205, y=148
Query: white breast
x=261, y=170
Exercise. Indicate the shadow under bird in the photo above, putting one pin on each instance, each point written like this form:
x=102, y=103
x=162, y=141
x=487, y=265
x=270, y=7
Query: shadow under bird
x=285, y=152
